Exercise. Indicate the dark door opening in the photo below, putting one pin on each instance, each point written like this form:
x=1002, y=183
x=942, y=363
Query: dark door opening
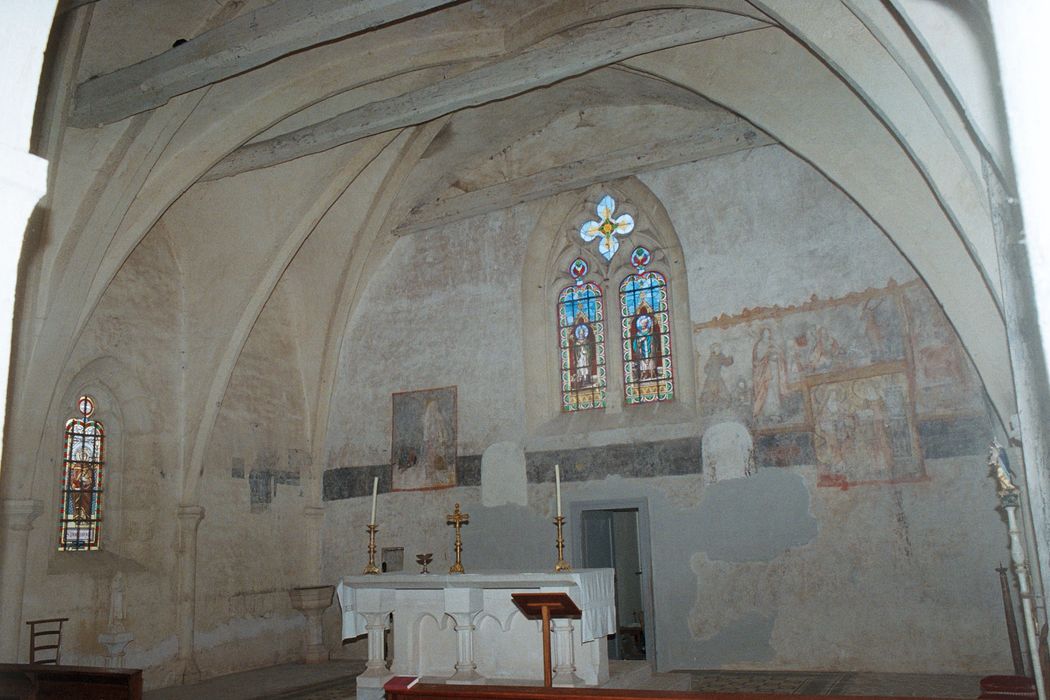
x=609, y=538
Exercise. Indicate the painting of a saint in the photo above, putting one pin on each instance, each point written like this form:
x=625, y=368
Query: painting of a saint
x=643, y=349
x=424, y=439
x=864, y=430
x=715, y=394
x=768, y=368
x=584, y=357
x=81, y=481
x=81, y=477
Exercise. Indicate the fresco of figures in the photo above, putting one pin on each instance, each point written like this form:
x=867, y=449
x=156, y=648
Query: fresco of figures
x=855, y=375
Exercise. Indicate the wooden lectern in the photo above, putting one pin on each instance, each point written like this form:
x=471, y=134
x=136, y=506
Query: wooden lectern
x=544, y=606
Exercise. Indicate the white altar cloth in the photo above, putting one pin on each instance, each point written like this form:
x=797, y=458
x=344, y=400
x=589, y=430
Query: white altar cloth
x=465, y=628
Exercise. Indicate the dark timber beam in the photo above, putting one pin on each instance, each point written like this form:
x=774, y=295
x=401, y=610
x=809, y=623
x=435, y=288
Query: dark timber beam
x=573, y=53
x=245, y=42
x=734, y=134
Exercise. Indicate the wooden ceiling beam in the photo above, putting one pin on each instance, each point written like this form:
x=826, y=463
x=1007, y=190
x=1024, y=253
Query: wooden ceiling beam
x=733, y=134
x=245, y=42
x=572, y=54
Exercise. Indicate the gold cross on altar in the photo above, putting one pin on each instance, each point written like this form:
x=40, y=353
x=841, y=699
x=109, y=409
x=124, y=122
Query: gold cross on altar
x=458, y=520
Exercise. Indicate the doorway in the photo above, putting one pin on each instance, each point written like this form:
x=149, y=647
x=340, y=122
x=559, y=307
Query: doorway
x=615, y=535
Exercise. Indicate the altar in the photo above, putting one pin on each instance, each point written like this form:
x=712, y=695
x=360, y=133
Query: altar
x=464, y=628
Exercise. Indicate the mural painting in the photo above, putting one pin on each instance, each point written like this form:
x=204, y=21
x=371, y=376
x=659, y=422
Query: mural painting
x=944, y=378
x=850, y=376
x=864, y=431
x=423, y=439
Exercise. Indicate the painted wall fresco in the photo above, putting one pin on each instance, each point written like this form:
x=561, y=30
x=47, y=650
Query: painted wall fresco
x=851, y=383
x=423, y=443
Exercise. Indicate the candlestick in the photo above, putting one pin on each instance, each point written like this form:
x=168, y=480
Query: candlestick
x=372, y=568
x=561, y=564
x=375, y=495
x=557, y=486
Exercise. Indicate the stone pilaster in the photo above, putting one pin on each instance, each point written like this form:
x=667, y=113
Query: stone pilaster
x=314, y=517
x=16, y=519
x=190, y=517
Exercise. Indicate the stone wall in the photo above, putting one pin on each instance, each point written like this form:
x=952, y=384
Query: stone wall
x=861, y=534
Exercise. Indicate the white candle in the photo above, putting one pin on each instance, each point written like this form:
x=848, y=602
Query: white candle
x=375, y=494
x=557, y=486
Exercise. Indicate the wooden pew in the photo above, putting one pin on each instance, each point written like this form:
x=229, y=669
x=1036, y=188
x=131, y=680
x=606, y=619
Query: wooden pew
x=441, y=691
x=39, y=682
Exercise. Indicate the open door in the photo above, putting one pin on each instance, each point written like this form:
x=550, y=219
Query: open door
x=615, y=535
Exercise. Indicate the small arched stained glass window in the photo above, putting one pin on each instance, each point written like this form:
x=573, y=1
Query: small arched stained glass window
x=80, y=524
x=581, y=334
x=646, y=331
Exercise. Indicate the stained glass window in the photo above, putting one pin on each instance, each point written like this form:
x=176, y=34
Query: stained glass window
x=581, y=333
x=81, y=521
x=607, y=228
x=645, y=323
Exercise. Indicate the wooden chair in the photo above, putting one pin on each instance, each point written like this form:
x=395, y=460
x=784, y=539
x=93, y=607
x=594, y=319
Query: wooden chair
x=45, y=636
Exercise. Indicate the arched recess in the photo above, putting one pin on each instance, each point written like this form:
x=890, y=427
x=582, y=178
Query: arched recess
x=552, y=246
x=124, y=408
x=206, y=408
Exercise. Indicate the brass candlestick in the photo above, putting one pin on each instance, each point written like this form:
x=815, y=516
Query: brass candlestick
x=372, y=568
x=457, y=520
x=561, y=564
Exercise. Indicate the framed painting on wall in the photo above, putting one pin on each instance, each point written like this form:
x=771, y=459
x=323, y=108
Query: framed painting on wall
x=423, y=441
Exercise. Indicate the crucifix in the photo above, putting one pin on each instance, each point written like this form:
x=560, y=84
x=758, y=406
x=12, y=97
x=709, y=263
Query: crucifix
x=458, y=520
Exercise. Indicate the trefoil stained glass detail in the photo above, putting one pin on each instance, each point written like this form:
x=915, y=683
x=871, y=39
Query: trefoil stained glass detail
x=640, y=258
x=607, y=228
x=80, y=523
x=581, y=333
x=646, y=330
x=578, y=270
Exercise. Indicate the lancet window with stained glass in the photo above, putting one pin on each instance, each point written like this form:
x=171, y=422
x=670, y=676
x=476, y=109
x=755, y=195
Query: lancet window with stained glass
x=80, y=524
x=646, y=330
x=581, y=333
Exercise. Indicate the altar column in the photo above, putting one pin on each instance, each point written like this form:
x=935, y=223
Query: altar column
x=564, y=659
x=463, y=605
x=376, y=606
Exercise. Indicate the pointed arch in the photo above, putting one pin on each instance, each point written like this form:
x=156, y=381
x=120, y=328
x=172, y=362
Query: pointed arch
x=555, y=245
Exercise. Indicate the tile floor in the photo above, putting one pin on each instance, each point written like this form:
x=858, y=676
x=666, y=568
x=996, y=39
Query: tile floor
x=335, y=681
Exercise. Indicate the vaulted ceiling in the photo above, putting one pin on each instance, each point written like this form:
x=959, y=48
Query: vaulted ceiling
x=399, y=115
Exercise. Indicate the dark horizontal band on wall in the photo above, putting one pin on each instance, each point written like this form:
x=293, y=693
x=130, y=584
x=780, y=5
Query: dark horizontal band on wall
x=939, y=438
x=955, y=437
x=664, y=458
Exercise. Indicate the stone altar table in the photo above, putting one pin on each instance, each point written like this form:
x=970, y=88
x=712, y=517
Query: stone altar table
x=464, y=628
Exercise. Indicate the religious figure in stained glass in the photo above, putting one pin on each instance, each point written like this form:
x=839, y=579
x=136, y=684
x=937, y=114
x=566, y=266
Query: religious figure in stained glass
x=582, y=343
x=607, y=227
x=645, y=323
x=80, y=524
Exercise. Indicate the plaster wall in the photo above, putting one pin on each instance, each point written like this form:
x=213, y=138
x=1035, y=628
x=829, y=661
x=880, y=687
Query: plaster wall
x=800, y=566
